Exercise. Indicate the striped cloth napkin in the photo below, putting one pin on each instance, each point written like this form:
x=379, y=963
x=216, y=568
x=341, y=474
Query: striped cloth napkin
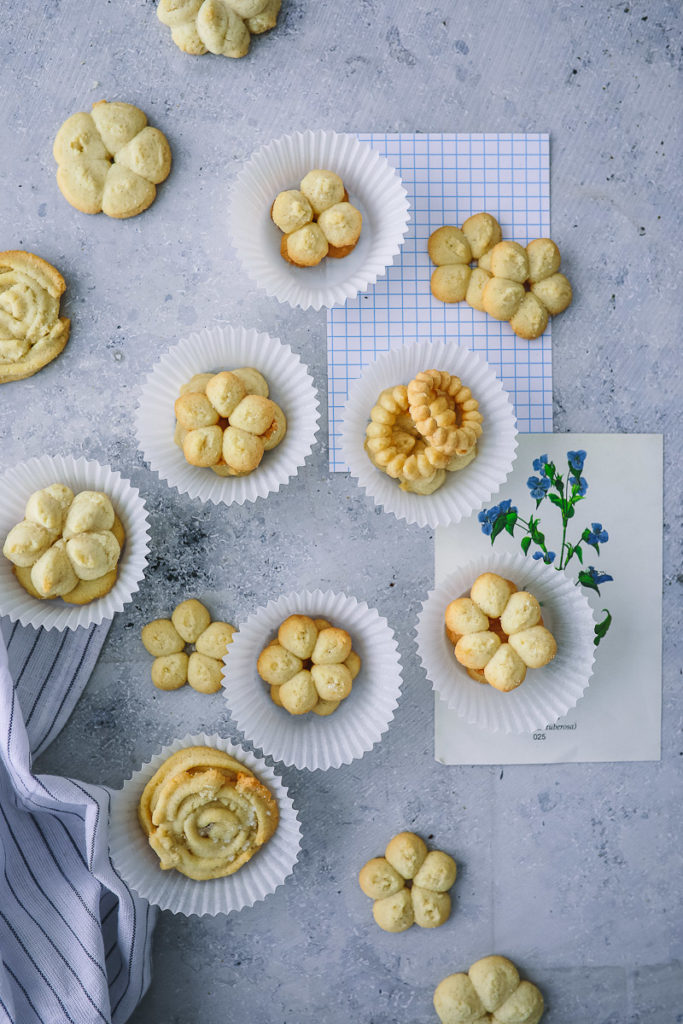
x=75, y=943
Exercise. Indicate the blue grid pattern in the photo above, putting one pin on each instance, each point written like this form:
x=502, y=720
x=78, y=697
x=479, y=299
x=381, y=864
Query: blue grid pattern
x=448, y=178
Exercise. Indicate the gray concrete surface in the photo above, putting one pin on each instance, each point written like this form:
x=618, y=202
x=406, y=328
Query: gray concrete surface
x=573, y=871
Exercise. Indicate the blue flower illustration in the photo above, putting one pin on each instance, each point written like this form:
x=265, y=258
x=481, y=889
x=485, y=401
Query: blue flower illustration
x=547, y=556
x=597, y=535
x=538, y=486
x=540, y=462
x=599, y=577
x=487, y=517
x=580, y=482
x=576, y=461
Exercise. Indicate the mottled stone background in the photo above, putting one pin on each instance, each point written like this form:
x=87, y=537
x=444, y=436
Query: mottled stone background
x=573, y=871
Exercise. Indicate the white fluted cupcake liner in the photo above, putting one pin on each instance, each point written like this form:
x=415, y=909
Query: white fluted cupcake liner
x=463, y=492
x=547, y=693
x=310, y=741
x=374, y=188
x=16, y=486
x=138, y=865
x=227, y=348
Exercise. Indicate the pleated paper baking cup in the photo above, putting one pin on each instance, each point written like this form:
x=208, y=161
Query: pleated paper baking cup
x=17, y=485
x=227, y=348
x=463, y=492
x=374, y=188
x=547, y=693
x=310, y=741
x=138, y=865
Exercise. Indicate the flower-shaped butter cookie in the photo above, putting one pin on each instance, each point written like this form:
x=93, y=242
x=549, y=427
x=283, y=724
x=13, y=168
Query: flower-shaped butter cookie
x=498, y=632
x=490, y=993
x=167, y=639
x=67, y=545
x=110, y=160
x=317, y=220
x=409, y=884
x=510, y=282
x=222, y=27
x=309, y=666
x=32, y=333
x=226, y=421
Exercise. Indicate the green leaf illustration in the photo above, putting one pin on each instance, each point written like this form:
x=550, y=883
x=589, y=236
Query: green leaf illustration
x=498, y=527
x=557, y=500
x=578, y=552
x=601, y=628
x=510, y=520
x=586, y=580
x=526, y=542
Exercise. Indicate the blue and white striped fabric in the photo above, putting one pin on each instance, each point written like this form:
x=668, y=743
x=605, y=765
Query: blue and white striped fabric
x=74, y=941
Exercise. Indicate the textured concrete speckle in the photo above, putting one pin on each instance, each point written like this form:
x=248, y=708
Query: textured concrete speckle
x=574, y=870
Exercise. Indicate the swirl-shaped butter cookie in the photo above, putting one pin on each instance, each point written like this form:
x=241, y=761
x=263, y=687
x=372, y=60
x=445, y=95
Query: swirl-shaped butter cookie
x=32, y=333
x=205, y=814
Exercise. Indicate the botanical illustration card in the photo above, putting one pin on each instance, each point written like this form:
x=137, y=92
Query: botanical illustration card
x=589, y=505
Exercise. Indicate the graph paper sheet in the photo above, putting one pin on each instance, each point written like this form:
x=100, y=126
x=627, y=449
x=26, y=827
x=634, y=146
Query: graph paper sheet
x=448, y=178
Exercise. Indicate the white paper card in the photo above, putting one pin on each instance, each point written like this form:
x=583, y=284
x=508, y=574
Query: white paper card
x=619, y=717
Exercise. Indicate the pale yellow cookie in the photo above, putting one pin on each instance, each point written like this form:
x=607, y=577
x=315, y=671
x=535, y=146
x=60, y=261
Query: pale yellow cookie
x=276, y=664
x=90, y=510
x=449, y=245
x=450, y=283
x=437, y=872
x=456, y=1001
x=341, y=225
x=394, y=913
x=197, y=383
x=323, y=189
x=353, y=663
x=193, y=410
x=52, y=574
x=474, y=296
x=291, y=210
x=333, y=682
x=501, y=298
x=242, y=450
x=521, y=612
x=25, y=543
x=225, y=391
x=475, y=650
x=253, y=414
x=464, y=616
x=544, y=259
x=222, y=30
x=254, y=381
x=491, y=593
x=190, y=618
x=110, y=160
x=510, y=260
x=86, y=591
x=215, y=639
x=204, y=673
x=555, y=292
x=305, y=247
x=430, y=909
x=93, y=554
x=506, y=670
x=332, y=646
x=203, y=446
x=482, y=231
x=536, y=646
x=531, y=319
x=160, y=638
x=298, y=633
x=378, y=879
x=32, y=333
x=325, y=707
x=169, y=672
x=298, y=695
x=406, y=853
x=277, y=429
